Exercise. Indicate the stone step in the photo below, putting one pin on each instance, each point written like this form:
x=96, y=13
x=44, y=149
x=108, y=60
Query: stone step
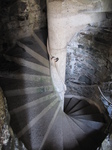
x=97, y=135
x=34, y=44
x=22, y=52
x=82, y=138
x=10, y=67
x=75, y=104
x=34, y=54
x=39, y=40
x=66, y=102
x=29, y=64
x=90, y=109
x=94, y=117
x=29, y=90
x=54, y=133
x=18, y=101
x=27, y=115
x=12, y=84
x=36, y=113
x=72, y=104
x=69, y=137
x=93, y=124
x=26, y=77
x=36, y=134
x=33, y=103
x=82, y=104
x=42, y=34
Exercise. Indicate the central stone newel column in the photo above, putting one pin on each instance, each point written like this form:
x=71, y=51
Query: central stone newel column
x=65, y=18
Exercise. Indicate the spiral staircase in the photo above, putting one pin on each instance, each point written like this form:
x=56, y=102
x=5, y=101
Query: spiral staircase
x=35, y=108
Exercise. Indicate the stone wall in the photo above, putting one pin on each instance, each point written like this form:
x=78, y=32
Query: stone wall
x=18, y=18
x=89, y=54
x=89, y=62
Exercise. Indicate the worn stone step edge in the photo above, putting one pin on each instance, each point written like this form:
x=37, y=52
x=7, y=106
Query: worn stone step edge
x=34, y=54
x=28, y=64
x=42, y=45
x=33, y=103
x=29, y=90
x=50, y=126
x=29, y=77
x=35, y=119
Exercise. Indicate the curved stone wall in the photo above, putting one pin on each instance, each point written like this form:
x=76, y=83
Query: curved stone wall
x=89, y=62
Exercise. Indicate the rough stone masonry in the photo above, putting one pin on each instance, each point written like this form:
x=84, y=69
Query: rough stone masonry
x=18, y=18
x=89, y=62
